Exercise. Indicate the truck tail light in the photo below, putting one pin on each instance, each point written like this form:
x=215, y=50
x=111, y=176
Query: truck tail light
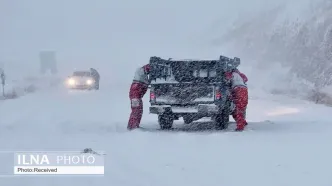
x=218, y=93
x=152, y=95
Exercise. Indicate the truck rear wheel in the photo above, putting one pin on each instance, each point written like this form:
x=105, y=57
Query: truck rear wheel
x=188, y=119
x=165, y=121
x=222, y=119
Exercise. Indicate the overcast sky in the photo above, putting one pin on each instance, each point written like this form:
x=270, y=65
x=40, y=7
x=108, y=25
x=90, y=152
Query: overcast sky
x=112, y=35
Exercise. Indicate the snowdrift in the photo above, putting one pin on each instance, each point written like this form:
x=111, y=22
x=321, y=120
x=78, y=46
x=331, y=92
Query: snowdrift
x=20, y=87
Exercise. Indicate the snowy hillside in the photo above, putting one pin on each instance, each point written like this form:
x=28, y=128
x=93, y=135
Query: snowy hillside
x=289, y=41
x=286, y=142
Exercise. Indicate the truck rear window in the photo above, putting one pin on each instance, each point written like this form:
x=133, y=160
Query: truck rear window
x=190, y=72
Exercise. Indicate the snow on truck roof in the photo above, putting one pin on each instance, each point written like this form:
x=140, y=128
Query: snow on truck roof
x=190, y=60
x=233, y=61
x=195, y=70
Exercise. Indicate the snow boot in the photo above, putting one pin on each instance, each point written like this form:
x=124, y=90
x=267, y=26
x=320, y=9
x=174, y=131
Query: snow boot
x=132, y=127
x=241, y=127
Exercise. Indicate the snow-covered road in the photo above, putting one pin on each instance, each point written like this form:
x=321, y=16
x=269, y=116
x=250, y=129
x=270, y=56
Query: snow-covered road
x=287, y=142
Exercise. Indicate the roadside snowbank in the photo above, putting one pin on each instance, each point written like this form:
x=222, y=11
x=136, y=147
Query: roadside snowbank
x=19, y=87
x=278, y=80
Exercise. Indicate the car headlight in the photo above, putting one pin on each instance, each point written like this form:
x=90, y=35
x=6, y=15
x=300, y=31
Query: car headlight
x=71, y=82
x=89, y=82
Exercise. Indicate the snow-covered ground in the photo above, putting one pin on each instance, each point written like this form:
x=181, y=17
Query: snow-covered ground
x=286, y=143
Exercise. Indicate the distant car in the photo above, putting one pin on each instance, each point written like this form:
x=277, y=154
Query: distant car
x=82, y=80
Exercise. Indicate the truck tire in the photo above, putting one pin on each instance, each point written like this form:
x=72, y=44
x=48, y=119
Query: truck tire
x=222, y=119
x=165, y=121
x=188, y=119
x=96, y=84
x=96, y=87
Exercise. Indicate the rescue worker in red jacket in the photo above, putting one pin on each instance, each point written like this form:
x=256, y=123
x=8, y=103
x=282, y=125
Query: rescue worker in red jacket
x=137, y=91
x=239, y=96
